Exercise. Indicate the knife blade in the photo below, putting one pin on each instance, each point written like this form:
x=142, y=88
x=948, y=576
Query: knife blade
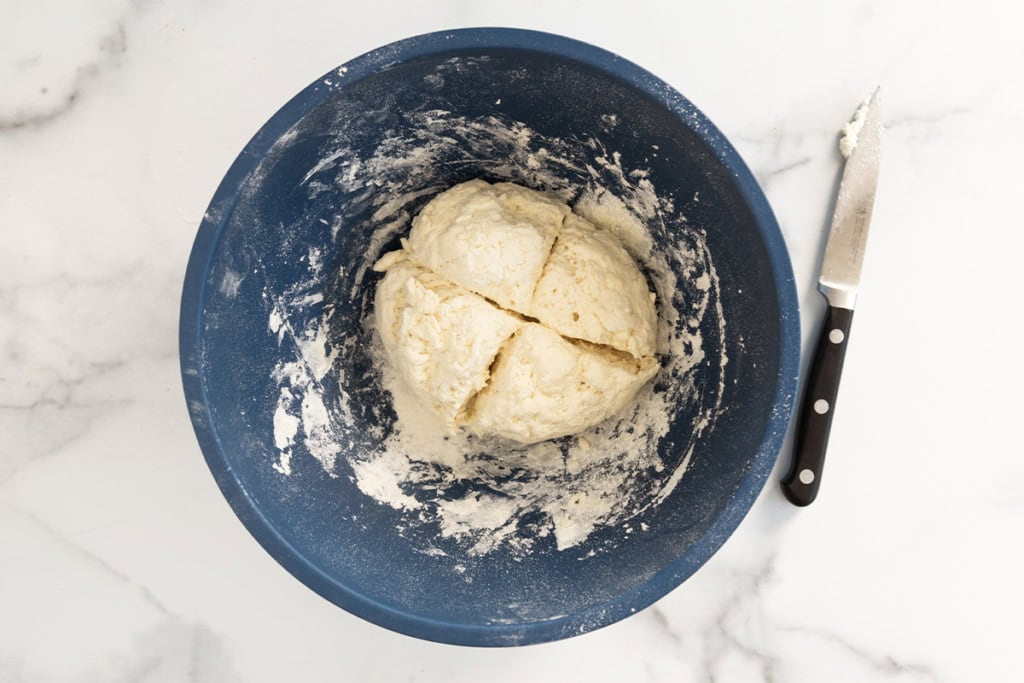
x=839, y=282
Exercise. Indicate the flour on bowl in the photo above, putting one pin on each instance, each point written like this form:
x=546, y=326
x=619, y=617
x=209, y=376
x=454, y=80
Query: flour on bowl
x=465, y=492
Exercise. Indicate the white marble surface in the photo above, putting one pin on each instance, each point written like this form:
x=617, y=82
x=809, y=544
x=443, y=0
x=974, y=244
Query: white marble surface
x=120, y=560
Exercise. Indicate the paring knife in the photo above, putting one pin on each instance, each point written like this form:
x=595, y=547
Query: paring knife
x=839, y=282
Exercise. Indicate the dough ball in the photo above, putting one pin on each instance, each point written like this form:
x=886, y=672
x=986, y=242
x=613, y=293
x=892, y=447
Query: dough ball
x=507, y=314
x=543, y=387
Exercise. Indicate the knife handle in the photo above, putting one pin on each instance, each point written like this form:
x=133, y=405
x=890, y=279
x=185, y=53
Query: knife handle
x=819, y=402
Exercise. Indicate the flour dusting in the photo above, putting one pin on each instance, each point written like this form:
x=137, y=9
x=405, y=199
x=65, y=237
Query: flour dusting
x=850, y=133
x=476, y=493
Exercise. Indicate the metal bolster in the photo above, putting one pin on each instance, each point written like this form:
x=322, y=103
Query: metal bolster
x=838, y=296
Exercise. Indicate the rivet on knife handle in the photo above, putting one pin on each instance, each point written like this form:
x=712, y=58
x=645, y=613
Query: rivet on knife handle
x=814, y=421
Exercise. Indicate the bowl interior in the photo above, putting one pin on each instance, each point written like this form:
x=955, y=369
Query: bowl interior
x=330, y=183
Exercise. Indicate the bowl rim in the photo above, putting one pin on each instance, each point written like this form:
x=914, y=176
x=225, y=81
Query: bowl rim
x=215, y=220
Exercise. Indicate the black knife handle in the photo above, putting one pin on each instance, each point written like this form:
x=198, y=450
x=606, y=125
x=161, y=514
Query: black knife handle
x=819, y=402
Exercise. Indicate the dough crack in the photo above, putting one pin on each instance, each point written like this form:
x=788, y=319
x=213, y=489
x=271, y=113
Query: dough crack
x=547, y=261
x=515, y=314
x=604, y=349
x=465, y=412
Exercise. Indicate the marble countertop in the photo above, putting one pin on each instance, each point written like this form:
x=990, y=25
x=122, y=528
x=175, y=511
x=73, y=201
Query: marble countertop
x=118, y=120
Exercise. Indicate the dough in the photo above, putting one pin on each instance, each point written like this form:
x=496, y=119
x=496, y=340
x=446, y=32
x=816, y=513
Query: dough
x=591, y=290
x=441, y=338
x=543, y=387
x=509, y=315
x=491, y=239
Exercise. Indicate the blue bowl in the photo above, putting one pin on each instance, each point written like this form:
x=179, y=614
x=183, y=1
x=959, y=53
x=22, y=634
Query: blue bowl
x=309, y=202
